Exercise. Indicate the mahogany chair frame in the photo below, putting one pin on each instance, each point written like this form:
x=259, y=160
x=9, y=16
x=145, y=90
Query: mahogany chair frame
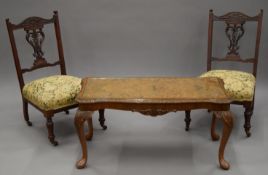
x=33, y=26
x=234, y=31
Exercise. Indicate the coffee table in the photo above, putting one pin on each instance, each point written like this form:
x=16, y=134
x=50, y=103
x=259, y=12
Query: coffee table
x=153, y=96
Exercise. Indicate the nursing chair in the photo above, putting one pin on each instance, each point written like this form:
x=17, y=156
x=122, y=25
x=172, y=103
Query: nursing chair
x=239, y=85
x=51, y=94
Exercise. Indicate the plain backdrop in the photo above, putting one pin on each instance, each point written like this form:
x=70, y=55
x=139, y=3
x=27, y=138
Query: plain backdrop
x=130, y=38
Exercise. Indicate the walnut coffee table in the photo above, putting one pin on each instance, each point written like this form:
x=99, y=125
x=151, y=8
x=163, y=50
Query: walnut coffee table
x=153, y=96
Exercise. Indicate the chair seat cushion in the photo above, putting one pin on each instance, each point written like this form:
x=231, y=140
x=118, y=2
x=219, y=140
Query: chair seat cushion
x=238, y=85
x=52, y=92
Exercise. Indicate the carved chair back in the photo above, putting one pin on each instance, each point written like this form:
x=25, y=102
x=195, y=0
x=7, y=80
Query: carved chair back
x=33, y=26
x=234, y=30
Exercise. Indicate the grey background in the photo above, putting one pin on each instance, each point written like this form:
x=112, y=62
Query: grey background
x=129, y=38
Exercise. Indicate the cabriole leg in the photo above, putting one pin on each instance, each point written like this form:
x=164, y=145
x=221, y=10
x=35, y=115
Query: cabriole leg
x=89, y=135
x=227, y=119
x=79, y=121
x=214, y=135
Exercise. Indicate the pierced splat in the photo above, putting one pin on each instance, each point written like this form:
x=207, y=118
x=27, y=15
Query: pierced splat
x=33, y=26
x=35, y=38
x=234, y=32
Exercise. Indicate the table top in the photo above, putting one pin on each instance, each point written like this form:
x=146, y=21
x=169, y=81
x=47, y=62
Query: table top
x=152, y=90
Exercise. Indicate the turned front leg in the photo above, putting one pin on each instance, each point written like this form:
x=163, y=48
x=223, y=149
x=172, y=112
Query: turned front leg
x=79, y=120
x=227, y=119
x=102, y=119
x=187, y=120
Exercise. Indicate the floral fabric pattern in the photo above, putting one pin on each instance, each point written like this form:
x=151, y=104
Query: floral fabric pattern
x=238, y=85
x=52, y=92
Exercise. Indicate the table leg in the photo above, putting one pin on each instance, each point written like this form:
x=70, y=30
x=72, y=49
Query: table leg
x=214, y=135
x=89, y=135
x=227, y=119
x=79, y=120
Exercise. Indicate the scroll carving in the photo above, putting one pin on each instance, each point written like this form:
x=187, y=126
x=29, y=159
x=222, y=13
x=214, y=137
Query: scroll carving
x=234, y=18
x=234, y=32
x=35, y=38
x=153, y=112
x=33, y=23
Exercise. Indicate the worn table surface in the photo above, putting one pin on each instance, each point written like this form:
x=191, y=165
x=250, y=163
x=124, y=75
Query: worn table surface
x=153, y=97
x=152, y=90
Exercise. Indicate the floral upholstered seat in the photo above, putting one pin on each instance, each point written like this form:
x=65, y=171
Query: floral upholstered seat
x=52, y=92
x=238, y=85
